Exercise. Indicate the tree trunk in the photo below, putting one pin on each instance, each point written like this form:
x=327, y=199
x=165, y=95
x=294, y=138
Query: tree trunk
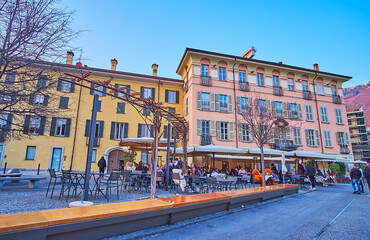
x=153, y=164
x=263, y=167
x=185, y=153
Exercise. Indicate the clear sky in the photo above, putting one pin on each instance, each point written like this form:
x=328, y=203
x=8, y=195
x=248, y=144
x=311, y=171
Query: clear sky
x=334, y=34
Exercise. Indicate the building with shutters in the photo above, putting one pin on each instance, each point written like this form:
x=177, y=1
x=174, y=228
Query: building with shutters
x=61, y=141
x=217, y=87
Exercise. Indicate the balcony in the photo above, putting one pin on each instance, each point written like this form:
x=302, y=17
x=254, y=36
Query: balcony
x=337, y=99
x=244, y=86
x=206, y=81
x=283, y=144
x=278, y=113
x=344, y=149
x=205, y=140
x=96, y=141
x=278, y=91
x=307, y=95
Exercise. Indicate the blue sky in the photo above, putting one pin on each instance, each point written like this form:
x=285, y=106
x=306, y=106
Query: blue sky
x=334, y=34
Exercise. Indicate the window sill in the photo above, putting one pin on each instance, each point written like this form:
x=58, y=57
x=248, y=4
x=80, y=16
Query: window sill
x=29, y=159
x=120, y=112
x=325, y=122
x=58, y=136
x=310, y=120
x=329, y=147
x=342, y=124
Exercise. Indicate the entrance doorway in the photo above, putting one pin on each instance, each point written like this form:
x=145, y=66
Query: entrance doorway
x=56, y=158
x=114, y=158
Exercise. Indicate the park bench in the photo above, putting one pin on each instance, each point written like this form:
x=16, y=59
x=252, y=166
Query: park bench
x=33, y=181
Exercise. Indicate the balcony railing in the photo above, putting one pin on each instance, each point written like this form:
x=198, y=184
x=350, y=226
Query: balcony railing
x=206, y=140
x=283, y=144
x=344, y=149
x=278, y=91
x=96, y=141
x=244, y=86
x=307, y=95
x=337, y=99
x=278, y=113
x=293, y=114
x=205, y=107
x=206, y=81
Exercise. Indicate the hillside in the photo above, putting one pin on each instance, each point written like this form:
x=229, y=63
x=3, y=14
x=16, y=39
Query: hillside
x=358, y=96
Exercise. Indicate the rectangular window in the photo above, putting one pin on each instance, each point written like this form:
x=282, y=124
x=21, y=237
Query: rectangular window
x=261, y=106
x=205, y=101
x=245, y=134
x=205, y=70
x=10, y=78
x=125, y=89
x=222, y=73
x=343, y=139
x=147, y=93
x=41, y=82
x=171, y=96
x=320, y=89
x=223, y=103
x=260, y=79
x=145, y=130
x=60, y=127
x=38, y=100
x=324, y=114
x=277, y=107
x=35, y=124
x=333, y=90
x=120, y=107
x=100, y=88
x=3, y=120
x=310, y=137
x=338, y=115
x=205, y=128
x=30, y=154
x=327, y=138
x=66, y=86
x=275, y=81
x=119, y=131
x=144, y=157
x=224, y=128
x=243, y=104
x=241, y=76
x=290, y=84
x=309, y=114
x=304, y=85
x=297, y=136
x=63, y=103
x=93, y=158
x=293, y=114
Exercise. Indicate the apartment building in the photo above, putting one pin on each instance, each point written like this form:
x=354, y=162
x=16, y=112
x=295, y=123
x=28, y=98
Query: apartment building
x=61, y=141
x=218, y=87
x=359, y=134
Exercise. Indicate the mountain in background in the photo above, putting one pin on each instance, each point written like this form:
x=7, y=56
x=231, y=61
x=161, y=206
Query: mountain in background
x=358, y=96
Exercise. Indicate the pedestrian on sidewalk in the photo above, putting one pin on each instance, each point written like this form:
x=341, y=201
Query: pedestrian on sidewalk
x=362, y=176
x=367, y=175
x=355, y=175
x=301, y=174
x=102, y=164
x=310, y=172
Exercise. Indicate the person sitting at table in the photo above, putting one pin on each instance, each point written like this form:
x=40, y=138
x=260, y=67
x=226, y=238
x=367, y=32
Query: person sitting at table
x=145, y=168
x=180, y=181
x=214, y=173
x=274, y=170
x=242, y=171
x=140, y=166
x=128, y=166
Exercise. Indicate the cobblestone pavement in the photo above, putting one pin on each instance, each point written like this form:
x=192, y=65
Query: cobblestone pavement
x=327, y=213
x=16, y=197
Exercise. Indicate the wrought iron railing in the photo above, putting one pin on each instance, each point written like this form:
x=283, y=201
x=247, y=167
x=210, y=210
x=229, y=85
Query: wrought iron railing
x=244, y=86
x=278, y=91
x=283, y=144
x=337, y=99
x=206, y=81
x=307, y=95
x=205, y=140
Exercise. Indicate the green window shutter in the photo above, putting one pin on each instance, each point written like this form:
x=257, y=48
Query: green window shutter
x=151, y=130
x=153, y=94
x=139, y=126
x=177, y=96
x=212, y=103
x=231, y=131
x=299, y=110
x=87, y=128
x=307, y=138
x=288, y=134
x=239, y=103
x=101, y=129
x=46, y=100
x=165, y=131
x=250, y=106
x=317, y=138
x=166, y=95
x=53, y=125
x=346, y=138
x=26, y=124
x=31, y=99
x=59, y=85
x=240, y=132
x=68, y=127
x=9, y=121
x=217, y=102
x=125, y=133
x=112, y=130
x=72, y=89
x=42, y=125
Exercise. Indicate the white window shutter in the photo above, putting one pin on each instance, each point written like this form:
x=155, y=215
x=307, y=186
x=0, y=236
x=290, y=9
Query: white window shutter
x=229, y=104
x=284, y=110
x=199, y=127
x=299, y=110
x=212, y=102
x=217, y=102
x=288, y=134
x=239, y=104
x=213, y=128
x=307, y=138
x=200, y=100
x=231, y=131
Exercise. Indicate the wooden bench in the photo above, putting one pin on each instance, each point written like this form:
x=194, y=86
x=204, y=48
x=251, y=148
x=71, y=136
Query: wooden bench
x=33, y=181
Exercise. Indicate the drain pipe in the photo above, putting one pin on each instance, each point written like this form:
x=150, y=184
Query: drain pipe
x=75, y=135
x=318, y=113
x=235, y=109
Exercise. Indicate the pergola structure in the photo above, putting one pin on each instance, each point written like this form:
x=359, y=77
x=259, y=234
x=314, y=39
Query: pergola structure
x=141, y=104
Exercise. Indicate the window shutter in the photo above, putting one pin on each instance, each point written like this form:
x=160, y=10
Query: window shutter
x=217, y=102
x=288, y=134
x=229, y=104
x=151, y=130
x=9, y=121
x=268, y=107
x=52, y=126
x=32, y=97
x=87, y=128
x=250, y=106
x=59, y=85
x=72, y=89
x=212, y=103
x=153, y=94
x=199, y=127
x=120, y=107
x=101, y=129
x=99, y=106
x=199, y=100
x=307, y=138
x=91, y=90
x=299, y=110
x=273, y=108
x=139, y=130
x=42, y=125
x=112, y=130
x=240, y=132
x=317, y=138
x=26, y=124
x=128, y=89
x=165, y=131
x=177, y=96
x=231, y=131
x=338, y=139
x=346, y=138
x=238, y=101
x=125, y=133
x=213, y=128
x=142, y=92
x=116, y=86
x=63, y=102
x=46, y=100
x=166, y=95
x=284, y=110
x=218, y=124
x=68, y=127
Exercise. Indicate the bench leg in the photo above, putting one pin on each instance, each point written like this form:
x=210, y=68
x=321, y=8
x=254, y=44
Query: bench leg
x=1, y=184
x=33, y=184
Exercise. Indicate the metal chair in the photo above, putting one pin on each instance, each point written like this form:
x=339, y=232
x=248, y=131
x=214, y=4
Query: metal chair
x=54, y=176
x=69, y=182
x=112, y=182
x=174, y=185
x=212, y=184
x=233, y=185
x=249, y=180
x=128, y=181
x=197, y=183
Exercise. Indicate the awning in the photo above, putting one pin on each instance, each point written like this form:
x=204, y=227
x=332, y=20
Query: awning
x=212, y=149
x=309, y=154
x=142, y=142
x=249, y=158
x=267, y=151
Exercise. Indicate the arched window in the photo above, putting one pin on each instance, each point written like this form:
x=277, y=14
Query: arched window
x=260, y=77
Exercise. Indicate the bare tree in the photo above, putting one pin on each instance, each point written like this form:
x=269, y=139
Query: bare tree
x=32, y=33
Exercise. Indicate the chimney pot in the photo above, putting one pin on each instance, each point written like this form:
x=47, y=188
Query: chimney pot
x=155, y=69
x=249, y=53
x=69, y=59
x=280, y=62
x=79, y=64
x=114, y=63
x=316, y=67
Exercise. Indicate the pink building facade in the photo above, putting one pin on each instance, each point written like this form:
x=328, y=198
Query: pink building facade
x=217, y=87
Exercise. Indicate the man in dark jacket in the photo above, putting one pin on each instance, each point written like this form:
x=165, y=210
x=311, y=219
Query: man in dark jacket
x=367, y=175
x=355, y=175
x=301, y=173
x=310, y=172
x=102, y=164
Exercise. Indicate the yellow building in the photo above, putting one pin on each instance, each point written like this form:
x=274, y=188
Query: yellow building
x=60, y=141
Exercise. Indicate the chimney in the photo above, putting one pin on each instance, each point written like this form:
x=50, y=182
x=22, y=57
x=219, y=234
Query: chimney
x=79, y=64
x=69, y=59
x=155, y=69
x=316, y=67
x=114, y=63
x=280, y=62
x=249, y=53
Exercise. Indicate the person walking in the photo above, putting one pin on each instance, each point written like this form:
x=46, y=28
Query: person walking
x=355, y=175
x=102, y=164
x=301, y=173
x=310, y=172
x=362, y=176
x=367, y=175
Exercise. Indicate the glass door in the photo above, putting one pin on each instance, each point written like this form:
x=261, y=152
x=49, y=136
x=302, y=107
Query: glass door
x=56, y=158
